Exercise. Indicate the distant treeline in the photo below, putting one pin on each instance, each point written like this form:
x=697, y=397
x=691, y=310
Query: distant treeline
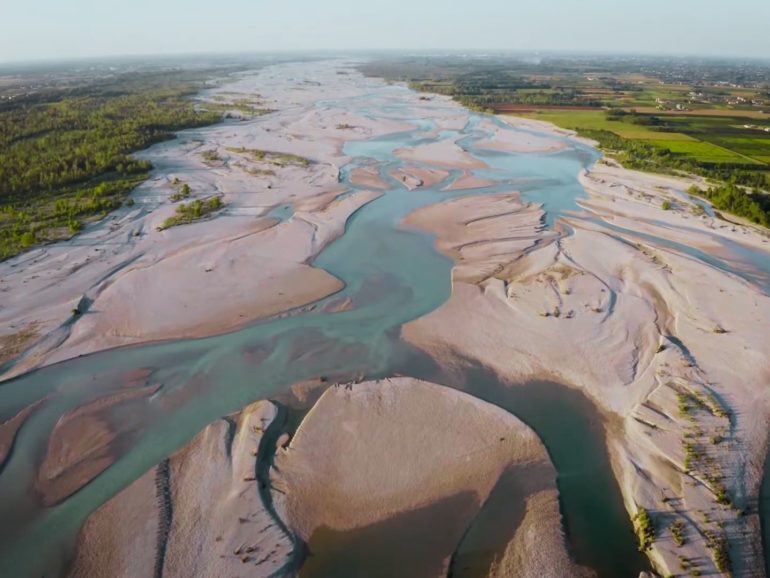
x=66, y=154
x=479, y=85
x=485, y=93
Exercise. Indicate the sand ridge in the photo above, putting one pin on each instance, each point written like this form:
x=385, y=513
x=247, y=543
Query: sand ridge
x=197, y=514
x=203, y=511
x=669, y=347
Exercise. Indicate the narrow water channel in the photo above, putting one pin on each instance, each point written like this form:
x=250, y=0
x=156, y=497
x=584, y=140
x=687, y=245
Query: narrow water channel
x=599, y=532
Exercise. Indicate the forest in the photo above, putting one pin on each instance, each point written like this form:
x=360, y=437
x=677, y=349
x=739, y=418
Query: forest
x=65, y=153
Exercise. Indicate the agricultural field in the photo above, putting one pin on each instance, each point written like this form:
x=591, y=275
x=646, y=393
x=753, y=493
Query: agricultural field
x=597, y=120
x=704, y=152
x=745, y=137
x=707, y=140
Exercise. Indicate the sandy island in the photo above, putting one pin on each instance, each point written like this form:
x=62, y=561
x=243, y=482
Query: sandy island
x=197, y=514
x=451, y=451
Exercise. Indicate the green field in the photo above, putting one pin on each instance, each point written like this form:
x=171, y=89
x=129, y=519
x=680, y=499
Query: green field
x=707, y=140
x=597, y=120
x=705, y=152
x=728, y=132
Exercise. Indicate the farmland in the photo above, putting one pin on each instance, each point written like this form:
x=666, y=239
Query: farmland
x=708, y=141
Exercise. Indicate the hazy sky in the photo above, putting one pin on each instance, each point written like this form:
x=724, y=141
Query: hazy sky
x=44, y=29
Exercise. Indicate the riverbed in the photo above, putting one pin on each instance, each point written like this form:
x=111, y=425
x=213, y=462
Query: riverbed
x=391, y=276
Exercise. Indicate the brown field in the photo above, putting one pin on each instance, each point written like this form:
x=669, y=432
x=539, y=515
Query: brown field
x=503, y=108
x=604, y=91
x=702, y=112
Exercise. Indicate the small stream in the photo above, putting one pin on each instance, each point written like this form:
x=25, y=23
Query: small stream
x=392, y=276
x=574, y=433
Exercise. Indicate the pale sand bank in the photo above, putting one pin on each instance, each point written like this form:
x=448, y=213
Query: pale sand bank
x=372, y=452
x=517, y=141
x=444, y=153
x=469, y=181
x=199, y=514
x=368, y=177
x=543, y=127
x=633, y=325
x=10, y=428
x=481, y=233
x=634, y=200
x=85, y=442
x=415, y=177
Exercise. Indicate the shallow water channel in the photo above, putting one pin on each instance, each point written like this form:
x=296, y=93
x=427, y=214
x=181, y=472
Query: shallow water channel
x=392, y=276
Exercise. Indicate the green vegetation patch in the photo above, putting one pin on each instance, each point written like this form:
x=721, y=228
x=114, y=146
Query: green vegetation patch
x=704, y=152
x=274, y=158
x=211, y=156
x=182, y=194
x=598, y=120
x=191, y=212
x=720, y=551
x=754, y=206
x=243, y=106
x=645, y=530
x=677, y=532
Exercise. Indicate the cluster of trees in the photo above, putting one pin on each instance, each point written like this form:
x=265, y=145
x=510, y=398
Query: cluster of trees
x=638, y=154
x=634, y=118
x=754, y=206
x=66, y=154
x=194, y=211
x=482, y=90
x=759, y=181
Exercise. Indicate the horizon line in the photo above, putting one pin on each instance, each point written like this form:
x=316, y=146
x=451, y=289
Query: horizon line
x=47, y=60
